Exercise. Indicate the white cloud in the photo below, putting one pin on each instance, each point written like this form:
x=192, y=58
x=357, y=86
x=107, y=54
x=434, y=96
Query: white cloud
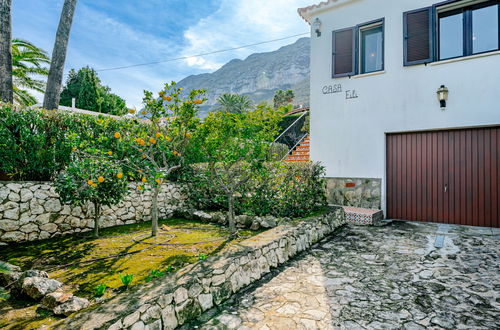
x=238, y=23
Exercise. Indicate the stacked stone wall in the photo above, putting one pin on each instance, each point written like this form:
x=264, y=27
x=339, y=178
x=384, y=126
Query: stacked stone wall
x=356, y=192
x=32, y=211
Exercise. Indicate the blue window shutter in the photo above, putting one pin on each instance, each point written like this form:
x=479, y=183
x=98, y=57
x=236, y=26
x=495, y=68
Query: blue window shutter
x=418, y=36
x=344, y=52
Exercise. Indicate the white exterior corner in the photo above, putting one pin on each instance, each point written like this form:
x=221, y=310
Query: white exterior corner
x=351, y=117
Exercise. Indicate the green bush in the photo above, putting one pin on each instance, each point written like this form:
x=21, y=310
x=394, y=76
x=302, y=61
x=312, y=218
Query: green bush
x=282, y=189
x=36, y=144
x=100, y=290
x=126, y=280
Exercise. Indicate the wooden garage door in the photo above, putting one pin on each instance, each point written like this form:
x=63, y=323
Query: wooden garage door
x=445, y=176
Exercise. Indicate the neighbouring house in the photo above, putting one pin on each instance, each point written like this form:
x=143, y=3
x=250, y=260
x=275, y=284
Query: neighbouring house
x=405, y=106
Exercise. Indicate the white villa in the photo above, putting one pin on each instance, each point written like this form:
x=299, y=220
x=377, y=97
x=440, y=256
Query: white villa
x=405, y=106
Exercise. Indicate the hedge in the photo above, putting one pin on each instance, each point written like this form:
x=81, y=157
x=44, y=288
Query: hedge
x=36, y=144
x=283, y=190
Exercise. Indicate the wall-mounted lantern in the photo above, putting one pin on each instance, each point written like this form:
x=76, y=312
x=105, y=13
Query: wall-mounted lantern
x=316, y=26
x=442, y=94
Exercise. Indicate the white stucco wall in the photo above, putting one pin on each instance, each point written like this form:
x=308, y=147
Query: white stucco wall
x=348, y=135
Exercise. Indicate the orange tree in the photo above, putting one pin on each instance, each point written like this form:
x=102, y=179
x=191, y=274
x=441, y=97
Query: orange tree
x=93, y=178
x=153, y=153
x=235, y=147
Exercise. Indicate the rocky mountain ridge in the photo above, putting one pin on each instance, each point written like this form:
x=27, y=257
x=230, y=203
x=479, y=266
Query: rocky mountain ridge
x=259, y=75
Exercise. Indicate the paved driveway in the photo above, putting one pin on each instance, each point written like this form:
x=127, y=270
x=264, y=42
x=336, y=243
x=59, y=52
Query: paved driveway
x=389, y=277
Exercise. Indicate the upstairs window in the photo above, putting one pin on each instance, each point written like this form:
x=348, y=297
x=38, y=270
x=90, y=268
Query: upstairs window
x=469, y=30
x=358, y=49
x=451, y=39
x=371, y=39
x=459, y=29
x=485, y=28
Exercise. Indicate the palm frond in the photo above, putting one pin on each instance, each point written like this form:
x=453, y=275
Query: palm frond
x=24, y=98
x=28, y=62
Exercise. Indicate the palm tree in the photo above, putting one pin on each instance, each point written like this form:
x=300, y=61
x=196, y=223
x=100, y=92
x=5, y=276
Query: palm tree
x=27, y=61
x=6, y=90
x=54, y=81
x=282, y=98
x=233, y=103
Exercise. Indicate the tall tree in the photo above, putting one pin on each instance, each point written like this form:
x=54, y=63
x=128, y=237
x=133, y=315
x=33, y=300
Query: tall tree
x=54, y=82
x=6, y=87
x=233, y=103
x=27, y=64
x=90, y=94
x=282, y=98
x=235, y=147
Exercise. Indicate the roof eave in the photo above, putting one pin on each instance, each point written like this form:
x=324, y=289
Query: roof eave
x=308, y=12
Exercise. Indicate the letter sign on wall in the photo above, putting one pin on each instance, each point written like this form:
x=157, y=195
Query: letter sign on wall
x=332, y=89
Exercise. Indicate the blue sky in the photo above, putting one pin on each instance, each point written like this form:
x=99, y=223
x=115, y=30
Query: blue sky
x=111, y=33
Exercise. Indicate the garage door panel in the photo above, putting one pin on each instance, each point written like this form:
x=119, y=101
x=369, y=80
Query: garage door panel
x=487, y=185
x=445, y=176
x=494, y=160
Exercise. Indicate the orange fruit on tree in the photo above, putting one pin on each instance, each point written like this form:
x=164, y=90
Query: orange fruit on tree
x=158, y=135
x=144, y=180
x=100, y=179
x=197, y=101
x=117, y=135
x=119, y=175
x=110, y=153
x=152, y=141
x=90, y=182
x=158, y=181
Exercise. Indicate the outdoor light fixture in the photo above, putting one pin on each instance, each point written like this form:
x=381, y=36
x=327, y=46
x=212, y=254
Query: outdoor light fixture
x=317, y=27
x=442, y=94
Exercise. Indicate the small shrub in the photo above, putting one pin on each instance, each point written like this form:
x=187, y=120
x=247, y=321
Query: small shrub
x=170, y=269
x=154, y=274
x=100, y=290
x=94, y=179
x=202, y=256
x=126, y=280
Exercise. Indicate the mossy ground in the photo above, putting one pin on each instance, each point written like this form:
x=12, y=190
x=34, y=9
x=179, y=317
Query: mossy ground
x=71, y=260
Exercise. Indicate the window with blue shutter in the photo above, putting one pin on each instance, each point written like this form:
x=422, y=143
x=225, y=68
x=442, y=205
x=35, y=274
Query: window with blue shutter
x=344, y=52
x=418, y=37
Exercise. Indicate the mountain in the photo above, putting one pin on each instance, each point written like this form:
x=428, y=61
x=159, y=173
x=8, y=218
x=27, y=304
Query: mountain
x=258, y=76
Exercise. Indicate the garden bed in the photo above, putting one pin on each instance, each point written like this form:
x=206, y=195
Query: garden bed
x=82, y=262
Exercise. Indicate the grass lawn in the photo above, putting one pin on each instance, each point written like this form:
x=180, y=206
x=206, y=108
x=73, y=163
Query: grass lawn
x=82, y=262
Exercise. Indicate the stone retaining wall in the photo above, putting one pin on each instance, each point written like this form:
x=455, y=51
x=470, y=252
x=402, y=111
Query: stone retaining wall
x=32, y=211
x=169, y=302
x=356, y=192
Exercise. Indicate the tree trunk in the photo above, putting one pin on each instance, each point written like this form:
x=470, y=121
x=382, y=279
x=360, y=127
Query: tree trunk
x=230, y=213
x=6, y=88
x=97, y=215
x=54, y=81
x=154, y=211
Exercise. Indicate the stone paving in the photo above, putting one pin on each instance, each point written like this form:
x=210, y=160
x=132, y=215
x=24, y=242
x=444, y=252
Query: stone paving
x=390, y=277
